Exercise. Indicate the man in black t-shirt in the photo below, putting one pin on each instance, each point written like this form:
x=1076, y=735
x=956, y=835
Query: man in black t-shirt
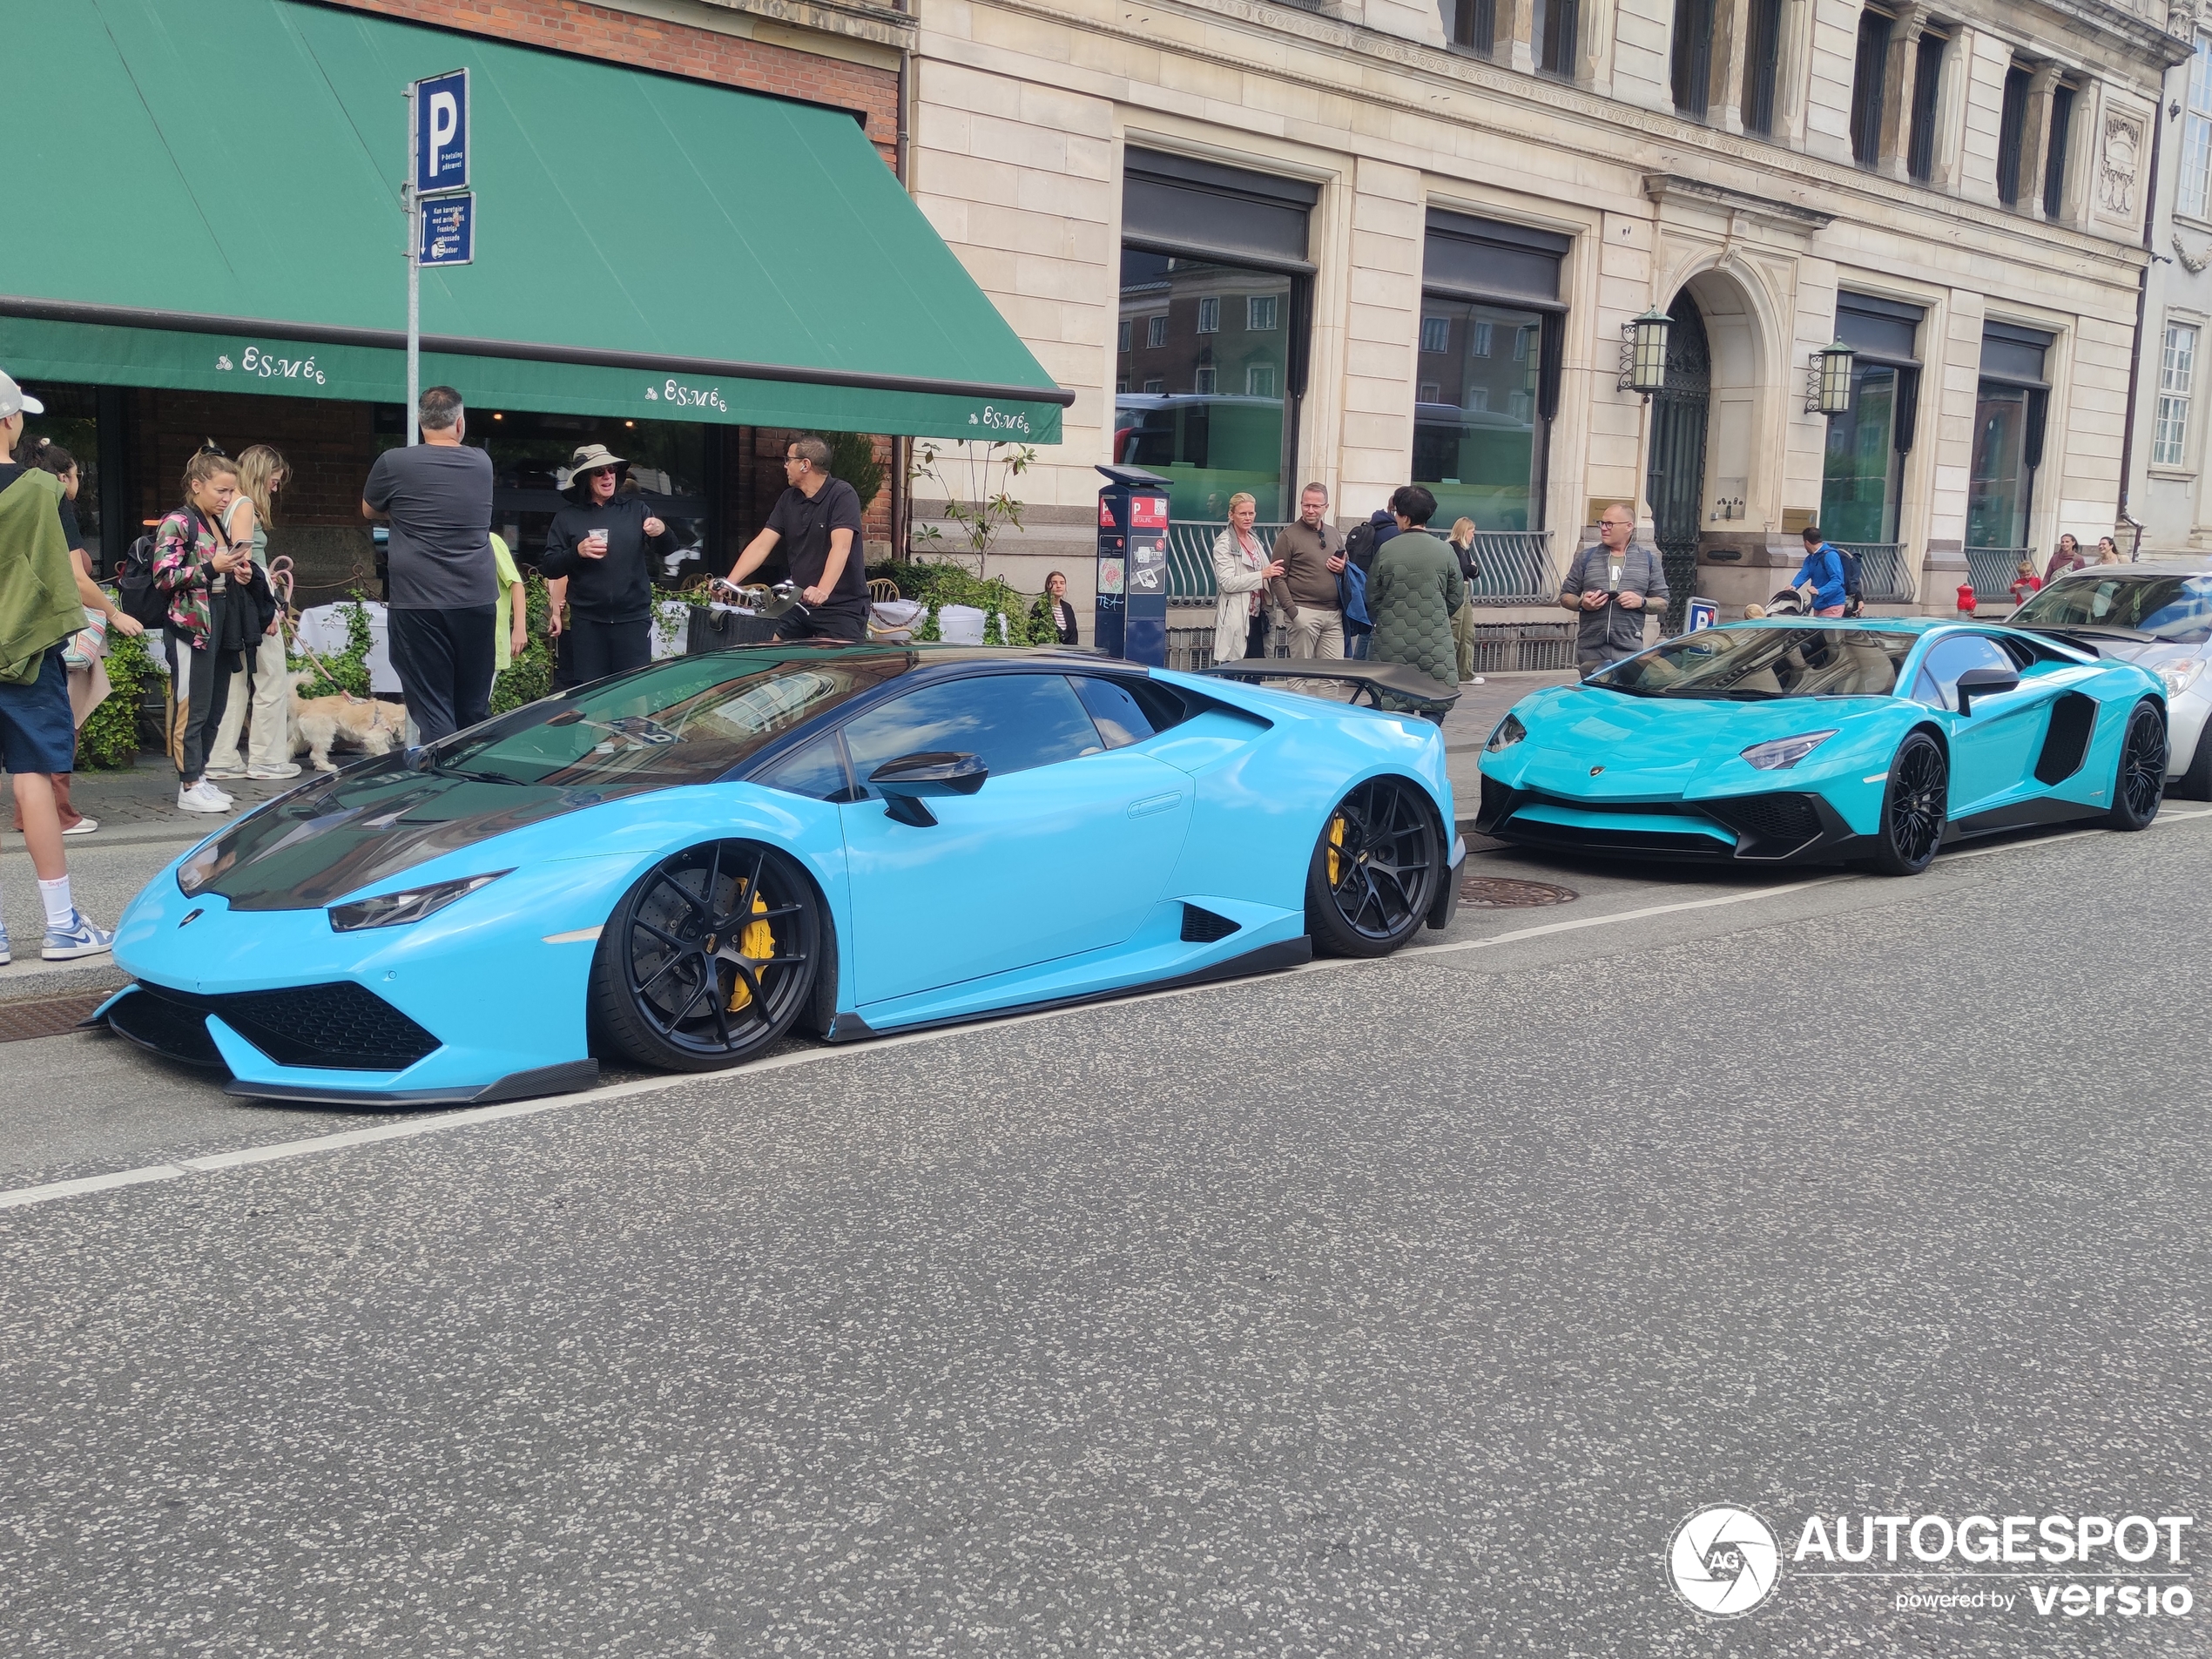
x=819, y=516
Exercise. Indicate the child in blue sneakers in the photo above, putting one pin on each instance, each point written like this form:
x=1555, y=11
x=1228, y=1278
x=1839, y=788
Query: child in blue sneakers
x=39, y=610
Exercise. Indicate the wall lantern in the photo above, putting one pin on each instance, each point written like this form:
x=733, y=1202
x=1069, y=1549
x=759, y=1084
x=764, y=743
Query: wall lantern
x=1828, y=380
x=1643, y=352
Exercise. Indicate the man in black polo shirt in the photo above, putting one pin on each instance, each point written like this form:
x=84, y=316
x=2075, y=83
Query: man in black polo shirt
x=820, y=517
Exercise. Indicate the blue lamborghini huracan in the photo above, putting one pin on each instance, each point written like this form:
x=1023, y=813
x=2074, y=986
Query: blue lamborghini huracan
x=1807, y=741
x=678, y=867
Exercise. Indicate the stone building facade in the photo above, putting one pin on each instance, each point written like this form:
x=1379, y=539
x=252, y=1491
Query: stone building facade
x=1365, y=241
x=2169, y=506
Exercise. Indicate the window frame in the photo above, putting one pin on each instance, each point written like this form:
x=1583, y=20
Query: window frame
x=2176, y=394
x=1870, y=84
x=2012, y=133
x=1209, y=314
x=1252, y=313
x=2193, y=198
x=1439, y=330
x=1932, y=56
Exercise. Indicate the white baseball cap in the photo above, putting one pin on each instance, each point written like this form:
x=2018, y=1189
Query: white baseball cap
x=12, y=401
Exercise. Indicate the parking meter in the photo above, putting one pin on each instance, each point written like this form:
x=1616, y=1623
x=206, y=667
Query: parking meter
x=1133, y=566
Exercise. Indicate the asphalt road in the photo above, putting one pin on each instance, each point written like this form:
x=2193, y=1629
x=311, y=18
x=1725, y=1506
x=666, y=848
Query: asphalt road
x=1392, y=1308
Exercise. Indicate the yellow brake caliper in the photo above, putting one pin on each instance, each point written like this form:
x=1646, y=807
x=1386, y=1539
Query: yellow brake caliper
x=1336, y=840
x=758, y=945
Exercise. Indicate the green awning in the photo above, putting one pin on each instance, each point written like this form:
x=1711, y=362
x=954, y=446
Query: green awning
x=218, y=208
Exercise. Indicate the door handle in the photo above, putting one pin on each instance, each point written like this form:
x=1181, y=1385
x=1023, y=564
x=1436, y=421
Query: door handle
x=1152, y=804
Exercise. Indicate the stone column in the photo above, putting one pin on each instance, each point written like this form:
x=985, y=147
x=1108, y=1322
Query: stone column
x=1724, y=95
x=2036, y=137
x=1897, y=86
x=1515, y=28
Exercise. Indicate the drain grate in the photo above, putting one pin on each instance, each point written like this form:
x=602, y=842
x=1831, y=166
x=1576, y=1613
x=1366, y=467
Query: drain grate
x=1496, y=893
x=49, y=1016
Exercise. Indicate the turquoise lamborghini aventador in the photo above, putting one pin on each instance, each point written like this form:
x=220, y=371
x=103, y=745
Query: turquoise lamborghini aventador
x=1805, y=741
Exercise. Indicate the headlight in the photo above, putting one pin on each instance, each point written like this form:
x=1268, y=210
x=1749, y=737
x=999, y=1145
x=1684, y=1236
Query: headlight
x=1784, y=752
x=1510, y=731
x=2180, y=676
x=397, y=910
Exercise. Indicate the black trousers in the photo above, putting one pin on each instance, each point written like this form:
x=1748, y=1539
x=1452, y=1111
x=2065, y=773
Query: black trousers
x=445, y=660
x=598, y=649
x=204, y=677
x=845, y=627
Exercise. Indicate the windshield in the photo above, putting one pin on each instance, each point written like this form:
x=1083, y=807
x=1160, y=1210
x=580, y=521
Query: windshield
x=2175, y=608
x=1751, y=663
x=685, y=721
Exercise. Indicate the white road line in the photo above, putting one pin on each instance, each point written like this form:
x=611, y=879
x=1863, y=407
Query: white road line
x=279, y=1151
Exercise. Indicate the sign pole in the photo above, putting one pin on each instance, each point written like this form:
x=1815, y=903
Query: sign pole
x=414, y=283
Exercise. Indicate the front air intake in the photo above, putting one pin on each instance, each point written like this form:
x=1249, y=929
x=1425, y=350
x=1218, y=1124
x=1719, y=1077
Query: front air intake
x=1202, y=927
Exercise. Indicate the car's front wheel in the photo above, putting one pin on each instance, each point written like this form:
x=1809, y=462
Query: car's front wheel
x=2139, y=786
x=709, y=959
x=1914, y=807
x=1375, y=869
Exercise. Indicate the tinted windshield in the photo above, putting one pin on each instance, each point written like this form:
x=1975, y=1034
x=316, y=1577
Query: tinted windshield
x=1750, y=664
x=685, y=721
x=2178, y=608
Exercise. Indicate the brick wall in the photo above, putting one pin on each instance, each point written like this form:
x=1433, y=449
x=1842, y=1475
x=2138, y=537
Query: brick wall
x=617, y=37
x=755, y=479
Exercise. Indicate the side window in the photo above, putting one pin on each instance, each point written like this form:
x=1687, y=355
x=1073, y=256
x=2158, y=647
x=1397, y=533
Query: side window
x=1937, y=686
x=1013, y=722
x=817, y=769
x=1120, y=720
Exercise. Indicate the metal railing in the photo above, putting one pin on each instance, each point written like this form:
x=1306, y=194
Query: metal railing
x=1994, y=569
x=1886, y=570
x=1515, y=566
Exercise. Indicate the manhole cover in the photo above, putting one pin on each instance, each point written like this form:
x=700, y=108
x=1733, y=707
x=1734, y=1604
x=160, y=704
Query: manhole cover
x=47, y=1016
x=1496, y=893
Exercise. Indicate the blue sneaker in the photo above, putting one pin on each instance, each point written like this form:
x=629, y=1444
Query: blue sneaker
x=80, y=937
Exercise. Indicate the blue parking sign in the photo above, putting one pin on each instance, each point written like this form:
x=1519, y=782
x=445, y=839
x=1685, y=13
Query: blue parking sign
x=448, y=230
x=441, y=133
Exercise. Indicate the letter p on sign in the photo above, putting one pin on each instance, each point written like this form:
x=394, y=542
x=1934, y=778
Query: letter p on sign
x=441, y=133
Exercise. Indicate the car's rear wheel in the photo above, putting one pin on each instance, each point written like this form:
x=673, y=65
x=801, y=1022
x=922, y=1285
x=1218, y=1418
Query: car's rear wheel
x=2139, y=786
x=1375, y=870
x=709, y=959
x=1914, y=807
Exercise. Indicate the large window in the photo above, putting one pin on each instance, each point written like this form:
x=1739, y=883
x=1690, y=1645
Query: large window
x=1862, y=482
x=1927, y=96
x=1558, y=28
x=2011, y=408
x=1761, y=64
x=2012, y=136
x=1216, y=258
x=1693, y=58
x=2196, y=135
x=2177, y=384
x=1869, y=87
x=1488, y=378
x=1471, y=23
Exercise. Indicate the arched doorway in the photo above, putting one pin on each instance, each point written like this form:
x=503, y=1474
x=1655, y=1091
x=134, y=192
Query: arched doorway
x=1675, y=474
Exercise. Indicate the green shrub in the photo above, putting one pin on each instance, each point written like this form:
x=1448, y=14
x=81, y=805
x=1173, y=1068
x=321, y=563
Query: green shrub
x=348, y=671
x=530, y=676
x=939, y=585
x=852, y=459
x=110, y=739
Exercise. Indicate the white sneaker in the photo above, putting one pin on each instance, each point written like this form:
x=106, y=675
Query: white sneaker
x=223, y=795
x=225, y=769
x=83, y=826
x=289, y=769
x=202, y=797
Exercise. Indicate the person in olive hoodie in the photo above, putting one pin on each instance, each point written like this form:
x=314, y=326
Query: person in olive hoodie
x=603, y=545
x=1413, y=587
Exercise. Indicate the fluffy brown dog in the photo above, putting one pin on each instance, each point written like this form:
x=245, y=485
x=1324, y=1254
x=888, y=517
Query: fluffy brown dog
x=361, y=723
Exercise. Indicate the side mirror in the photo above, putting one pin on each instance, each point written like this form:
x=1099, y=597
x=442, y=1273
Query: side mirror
x=906, y=781
x=1985, y=682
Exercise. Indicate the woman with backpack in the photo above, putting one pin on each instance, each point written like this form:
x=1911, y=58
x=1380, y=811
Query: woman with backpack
x=262, y=472
x=213, y=617
x=88, y=682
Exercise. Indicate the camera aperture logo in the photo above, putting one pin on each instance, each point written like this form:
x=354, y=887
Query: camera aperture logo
x=1723, y=1561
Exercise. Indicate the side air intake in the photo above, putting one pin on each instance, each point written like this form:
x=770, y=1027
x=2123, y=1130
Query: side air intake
x=1202, y=927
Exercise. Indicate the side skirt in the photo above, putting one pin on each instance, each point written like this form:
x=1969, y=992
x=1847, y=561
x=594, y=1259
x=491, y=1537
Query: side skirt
x=564, y=1079
x=2021, y=815
x=1268, y=959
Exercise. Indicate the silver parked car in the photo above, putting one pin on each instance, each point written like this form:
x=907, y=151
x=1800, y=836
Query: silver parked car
x=2159, y=614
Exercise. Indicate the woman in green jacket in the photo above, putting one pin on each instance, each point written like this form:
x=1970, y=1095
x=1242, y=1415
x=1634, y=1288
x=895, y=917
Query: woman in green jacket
x=1413, y=587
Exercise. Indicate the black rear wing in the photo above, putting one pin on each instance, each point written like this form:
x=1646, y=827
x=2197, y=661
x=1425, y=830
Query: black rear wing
x=1370, y=682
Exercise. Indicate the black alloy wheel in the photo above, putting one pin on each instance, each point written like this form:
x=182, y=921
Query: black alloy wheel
x=2139, y=787
x=708, y=961
x=1913, y=807
x=1375, y=869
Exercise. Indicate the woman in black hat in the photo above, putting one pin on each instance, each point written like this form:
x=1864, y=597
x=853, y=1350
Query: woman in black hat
x=602, y=544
